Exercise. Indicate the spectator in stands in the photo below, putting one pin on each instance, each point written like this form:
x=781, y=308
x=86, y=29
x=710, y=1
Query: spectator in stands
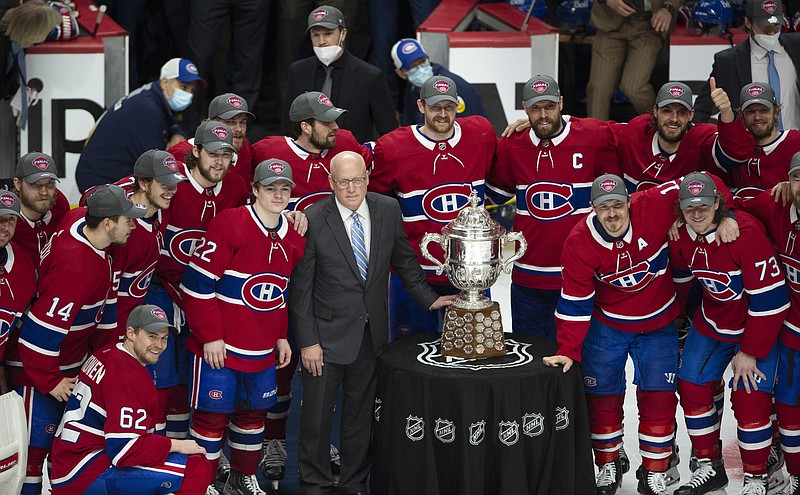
x=412, y=64
x=350, y=82
x=625, y=50
x=143, y=120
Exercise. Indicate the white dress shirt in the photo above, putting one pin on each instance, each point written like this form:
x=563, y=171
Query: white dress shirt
x=363, y=212
x=789, y=97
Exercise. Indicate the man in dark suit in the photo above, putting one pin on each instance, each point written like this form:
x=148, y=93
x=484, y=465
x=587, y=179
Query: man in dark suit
x=748, y=62
x=353, y=84
x=338, y=304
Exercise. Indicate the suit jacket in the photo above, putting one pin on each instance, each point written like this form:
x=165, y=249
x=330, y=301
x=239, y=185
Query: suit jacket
x=604, y=18
x=361, y=89
x=328, y=302
x=732, y=71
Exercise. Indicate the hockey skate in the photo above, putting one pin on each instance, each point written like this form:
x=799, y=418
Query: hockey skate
x=624, y=462
x=709, y=477
x=775, y=462
x=609, y=478
x=223, y=468
x=754, y=484
x=273, y=459
x=211, y=490
x=242, y=484
x=673, y=475
x=792, y=486
x=651, y=483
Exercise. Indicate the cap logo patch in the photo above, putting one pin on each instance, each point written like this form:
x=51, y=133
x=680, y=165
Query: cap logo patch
x=695, y=187
x=408, y=48
x=7, y=199
x=755, y=90
x=769, y=6
x=191, y=68
x=319, y=14
x=676, y=91
x=540, y=86
x=171, y=163
x=442, y=86
x=277, y=167
x=159, y=313
x=41, y=163
x=220, y=132
x=608, y=185
x=324, y=100
x=235, y=102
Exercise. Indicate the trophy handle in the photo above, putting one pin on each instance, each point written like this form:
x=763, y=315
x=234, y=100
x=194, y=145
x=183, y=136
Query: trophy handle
x=423, y=246
x=523, y=246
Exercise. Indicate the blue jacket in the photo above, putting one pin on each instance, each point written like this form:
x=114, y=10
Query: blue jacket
x=138, y=122
x=472, y=100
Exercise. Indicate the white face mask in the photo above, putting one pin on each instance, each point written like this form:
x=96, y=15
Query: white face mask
x=328, y=54
x=180, y=100
x=767, y=41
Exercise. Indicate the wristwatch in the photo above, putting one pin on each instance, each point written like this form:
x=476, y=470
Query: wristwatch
x=670, y=8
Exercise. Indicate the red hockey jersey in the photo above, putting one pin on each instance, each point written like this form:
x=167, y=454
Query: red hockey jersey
x=32, y=236
x=17, y=288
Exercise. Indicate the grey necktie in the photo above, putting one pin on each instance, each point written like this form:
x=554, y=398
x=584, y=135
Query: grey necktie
x=328, y=83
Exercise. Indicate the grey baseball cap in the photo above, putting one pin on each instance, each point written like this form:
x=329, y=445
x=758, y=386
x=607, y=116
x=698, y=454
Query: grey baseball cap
x=697, y=189
x=326, y=16
x=314, y=105
x=794, y=165
x=214, y=135
x=765, y=13
x=9, y=204
x=273, y=170
x=228, y=106
x=608, y=187
x=110, y=200
x=757, y=92
x=159, y=165
x=151, y=318
x=540, y=88
x=438, y=88
x=674, y=92
x=35, y=166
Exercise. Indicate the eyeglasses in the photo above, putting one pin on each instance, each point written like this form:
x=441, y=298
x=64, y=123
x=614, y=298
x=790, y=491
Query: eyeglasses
x=343, y=183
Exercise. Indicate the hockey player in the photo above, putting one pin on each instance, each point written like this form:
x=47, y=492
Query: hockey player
x=18, y=281
x=744, y=303
x=549, y=169
x=431, y=169
x=104, y=443
x=74, y=283
x=617, y=301
x=234, y=293
x=232, y=110
x=42, y=205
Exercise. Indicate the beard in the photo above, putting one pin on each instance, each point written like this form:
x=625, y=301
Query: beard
x=668, y=137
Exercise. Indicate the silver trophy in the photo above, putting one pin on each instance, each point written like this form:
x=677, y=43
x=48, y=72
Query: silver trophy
x=473, y=252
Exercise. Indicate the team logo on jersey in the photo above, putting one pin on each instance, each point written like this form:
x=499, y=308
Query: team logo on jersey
x=171, y=163
x=540, y=86
x=50, y=428
x=442, y=203
x=220, y=132
x=159, y=313
x=235, y=101
x=7, y=199
x=139, y=285
x=442, y=86
x=41, y=162
x=7, y=319
x=166, y=484
x=590, y=381
x=477, y=432
x=377, y=410
x=633, y=279
x=517, y=354
x=509, y=432
x=790, y=265
x=695, y=187
x=319, y=14
x=675, y=91
x=532, y=424
x=718, y=284
x=444, y=431
x=277, y=167
x=608, y=185
x=415, y=428
x=309, y=199
x=324, y=100
x=408, y=47
x=549, y=200
x=215, y=394
x=265, y=291
x=769, y=6
x=562, y=418
x=182, y=244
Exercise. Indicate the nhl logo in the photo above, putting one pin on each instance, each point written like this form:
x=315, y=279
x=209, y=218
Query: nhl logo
x=235, y=102
x=620, y=244
x=532, y=425
x=562, y=418
x=755, y=90
x=509, y=432
x=220, y=132
x=477, y=431
x=442, y=146
x=445, y=430
x=695, y=187
x=191, y=68
x=769, y=6
x=319, y=14
x=171, y=163
x=377, y=410
x=159, y=313
x=277, y=167
x=7, y=199
x=415, y=428
x=539, y=86
x=675, y=91
x=442, y=86
x=608, y=185
x=41, y=163
x=324, y=100
x=408, y=48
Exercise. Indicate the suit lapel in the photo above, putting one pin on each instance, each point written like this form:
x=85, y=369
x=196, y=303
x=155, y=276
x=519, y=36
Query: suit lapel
x=376, y=224
x=334, y=220
x=743, y=63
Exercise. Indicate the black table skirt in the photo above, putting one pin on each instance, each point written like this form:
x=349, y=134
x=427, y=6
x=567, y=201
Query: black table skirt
x=506, y=425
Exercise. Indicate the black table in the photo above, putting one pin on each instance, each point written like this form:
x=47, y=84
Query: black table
x=506, y=425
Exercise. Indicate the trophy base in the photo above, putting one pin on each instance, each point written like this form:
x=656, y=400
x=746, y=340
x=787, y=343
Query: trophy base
x=473, y=334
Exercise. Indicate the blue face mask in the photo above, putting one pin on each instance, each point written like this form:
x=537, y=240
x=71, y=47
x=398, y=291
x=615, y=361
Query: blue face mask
x=419, y=74
x=180, y=100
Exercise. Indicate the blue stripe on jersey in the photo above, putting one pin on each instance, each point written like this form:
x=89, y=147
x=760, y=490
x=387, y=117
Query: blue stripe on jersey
x=40, y=336
x=755, y=439
x=720, y=285
x=88, y=314
x=665, y=444
x=631, y=319
x=250, y=356
x=556, y=272
x=114, y=445
x=549, y=201
x=498, y=196
x=198, y=282
x=770, y=301
x=681, y=275
x=724, y=161
x=439, y=204
x=575, y=308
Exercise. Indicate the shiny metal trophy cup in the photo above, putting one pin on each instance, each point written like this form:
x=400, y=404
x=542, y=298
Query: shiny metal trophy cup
x=473, y=250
